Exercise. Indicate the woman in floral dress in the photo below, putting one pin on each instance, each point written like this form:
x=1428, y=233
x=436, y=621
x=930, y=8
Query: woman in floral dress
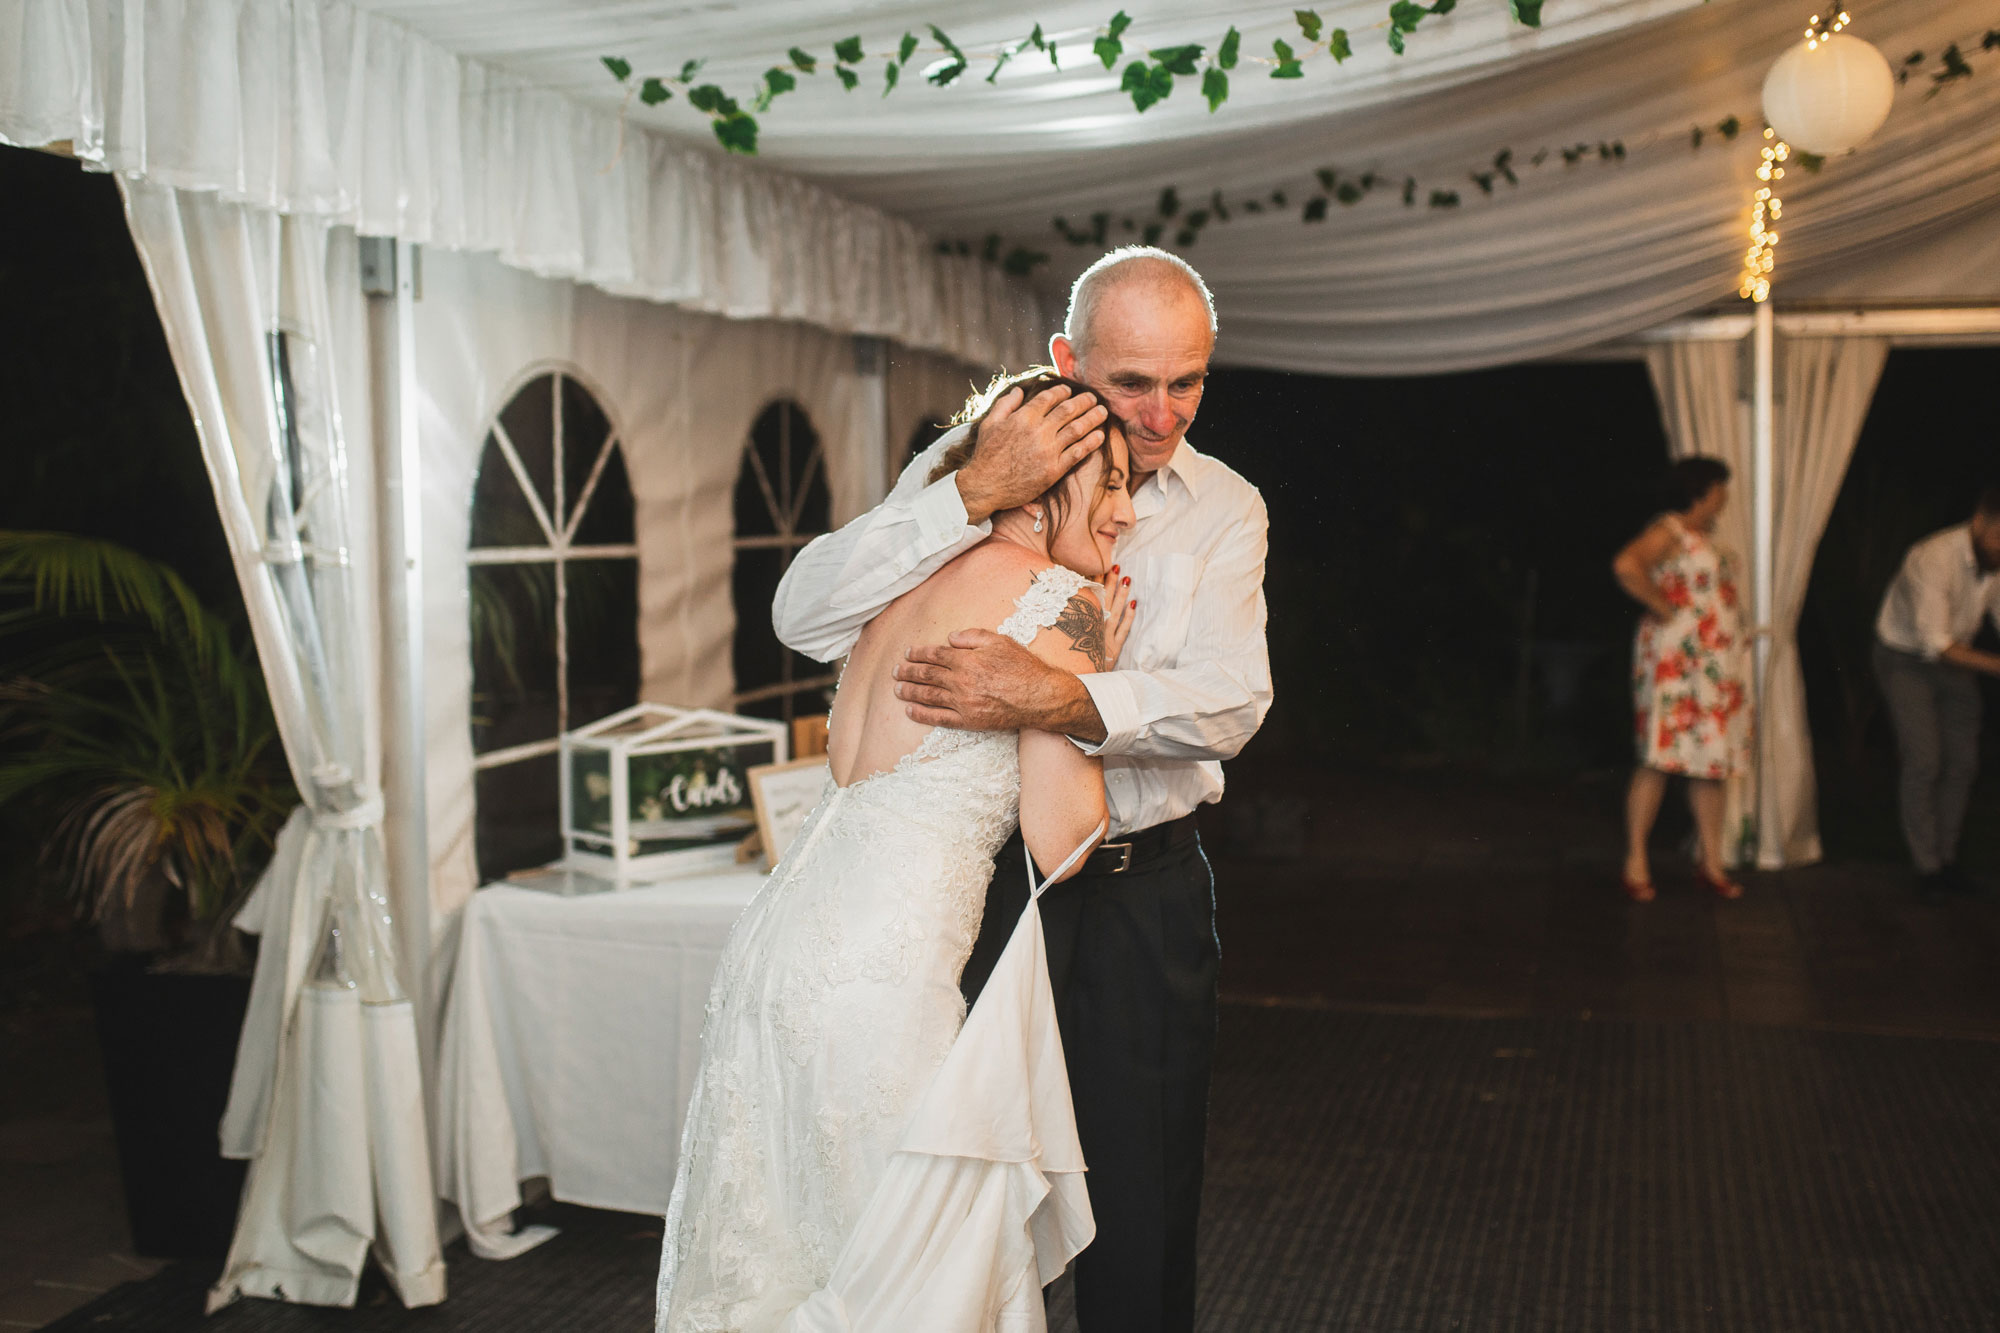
x=1690, y=671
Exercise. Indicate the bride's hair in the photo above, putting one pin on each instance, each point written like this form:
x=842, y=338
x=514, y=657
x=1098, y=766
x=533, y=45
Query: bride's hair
x=1032, y=382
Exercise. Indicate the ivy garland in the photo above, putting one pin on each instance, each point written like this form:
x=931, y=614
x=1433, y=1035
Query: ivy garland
x=1152, y=80
x=1172, y=218
x=1147, y=81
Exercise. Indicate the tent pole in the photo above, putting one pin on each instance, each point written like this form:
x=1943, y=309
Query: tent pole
x=406, y=828
x=1763, y=431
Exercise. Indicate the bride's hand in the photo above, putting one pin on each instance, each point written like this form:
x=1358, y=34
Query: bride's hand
x=1122, y=610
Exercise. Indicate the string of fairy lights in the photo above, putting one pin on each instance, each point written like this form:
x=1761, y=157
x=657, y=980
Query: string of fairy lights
x=1760, y=262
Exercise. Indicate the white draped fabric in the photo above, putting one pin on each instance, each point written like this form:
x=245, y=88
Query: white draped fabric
x=1701, y=405
x=1823, y=392
x=491, y=125
x=263, y=319
x=1825, y=386
x=318, y=107
x=1573, y=256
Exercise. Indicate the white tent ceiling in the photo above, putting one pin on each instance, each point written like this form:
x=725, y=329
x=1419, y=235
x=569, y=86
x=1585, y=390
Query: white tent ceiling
x=492, y=125
x=1573, y=256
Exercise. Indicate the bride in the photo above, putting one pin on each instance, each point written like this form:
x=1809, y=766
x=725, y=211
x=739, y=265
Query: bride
x=853, y=1161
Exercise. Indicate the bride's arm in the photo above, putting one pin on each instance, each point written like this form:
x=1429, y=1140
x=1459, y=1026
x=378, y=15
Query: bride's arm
x=1062, y=788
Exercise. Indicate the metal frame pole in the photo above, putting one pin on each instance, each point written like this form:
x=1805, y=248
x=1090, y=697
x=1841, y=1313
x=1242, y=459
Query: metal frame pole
x=391, y=280
x=1763, y=431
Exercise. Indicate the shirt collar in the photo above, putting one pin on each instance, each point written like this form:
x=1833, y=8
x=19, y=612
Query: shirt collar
x=1183, y=467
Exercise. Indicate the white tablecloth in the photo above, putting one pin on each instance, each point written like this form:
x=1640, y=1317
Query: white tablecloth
x=571, y=1040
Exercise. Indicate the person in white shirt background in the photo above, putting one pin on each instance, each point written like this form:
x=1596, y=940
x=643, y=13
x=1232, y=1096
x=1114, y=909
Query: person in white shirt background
x=1132, y=948
x=1926, y=663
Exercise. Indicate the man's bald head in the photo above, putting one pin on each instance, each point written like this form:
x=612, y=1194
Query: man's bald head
x=1140, y=268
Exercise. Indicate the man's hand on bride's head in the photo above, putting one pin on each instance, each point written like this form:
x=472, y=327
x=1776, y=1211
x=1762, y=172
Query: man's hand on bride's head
x=1026, y=447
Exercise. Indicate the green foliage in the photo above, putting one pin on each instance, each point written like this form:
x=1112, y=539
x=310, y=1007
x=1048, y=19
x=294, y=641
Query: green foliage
x=944, y=75
x=1215, y=87
x=134, y=720
x=1147, y=83
x=712, y=99
x=803, y=60
x=889, y=76
x=848, y=78
x=1309, y=23
x=737, y=132
x=907, y=49
x=1954, y=67
x=1177, y=59
x=1810, y=161
x=621, y=70
x=848, y=50
x=1528, y=12
x=1338, y=46
x=653, y=92
x=1289, y=66
x=1225, y=54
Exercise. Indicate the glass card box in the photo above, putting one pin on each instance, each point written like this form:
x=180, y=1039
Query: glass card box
x=653, y=791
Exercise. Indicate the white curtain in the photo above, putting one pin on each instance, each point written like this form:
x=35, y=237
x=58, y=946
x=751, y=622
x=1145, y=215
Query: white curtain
x=324, y=108
x=1825, y=387
x=1702, y=407
x=263, y=316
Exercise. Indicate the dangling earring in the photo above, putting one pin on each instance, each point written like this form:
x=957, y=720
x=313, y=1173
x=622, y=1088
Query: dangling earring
x=1038, y=521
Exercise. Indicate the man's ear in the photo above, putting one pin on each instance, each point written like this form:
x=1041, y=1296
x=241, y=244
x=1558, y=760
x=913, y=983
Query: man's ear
x=1063, y=355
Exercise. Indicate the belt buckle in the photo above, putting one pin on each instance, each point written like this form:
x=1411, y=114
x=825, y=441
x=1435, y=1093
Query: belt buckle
x=1124, y=862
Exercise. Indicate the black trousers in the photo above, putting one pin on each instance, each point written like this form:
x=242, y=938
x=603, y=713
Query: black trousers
x=1132, y=959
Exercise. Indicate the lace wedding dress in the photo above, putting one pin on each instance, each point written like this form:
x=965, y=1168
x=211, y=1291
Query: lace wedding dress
x=852, y=1161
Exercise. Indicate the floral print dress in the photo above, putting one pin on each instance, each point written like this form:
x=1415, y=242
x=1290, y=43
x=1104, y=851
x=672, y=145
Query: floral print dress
x=1690, y=673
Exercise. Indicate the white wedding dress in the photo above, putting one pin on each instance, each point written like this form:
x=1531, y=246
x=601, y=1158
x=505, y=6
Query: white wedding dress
x=853, y=1161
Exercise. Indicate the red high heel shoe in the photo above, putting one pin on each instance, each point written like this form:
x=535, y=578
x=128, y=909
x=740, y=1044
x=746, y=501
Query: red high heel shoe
x=1721, y=887
x=1639, y=891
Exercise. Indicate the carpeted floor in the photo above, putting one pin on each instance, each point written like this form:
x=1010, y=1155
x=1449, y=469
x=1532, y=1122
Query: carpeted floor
x=1385, y=1172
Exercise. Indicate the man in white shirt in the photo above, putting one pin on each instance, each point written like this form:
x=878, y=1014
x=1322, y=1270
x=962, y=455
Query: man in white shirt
x=1131, y=940
x=1926, y=662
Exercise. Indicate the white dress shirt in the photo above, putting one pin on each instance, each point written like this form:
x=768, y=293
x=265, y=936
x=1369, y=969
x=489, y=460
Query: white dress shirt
x=1938, y=596
x=1194, y=679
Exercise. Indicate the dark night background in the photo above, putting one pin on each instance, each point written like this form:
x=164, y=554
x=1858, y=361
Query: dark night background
x=1439, y=582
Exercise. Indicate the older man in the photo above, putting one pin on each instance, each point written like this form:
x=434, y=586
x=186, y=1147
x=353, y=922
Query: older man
x=1926, y=663
x=1131, y=940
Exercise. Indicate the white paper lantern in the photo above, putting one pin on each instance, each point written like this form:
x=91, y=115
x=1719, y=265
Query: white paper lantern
x=1828, y=95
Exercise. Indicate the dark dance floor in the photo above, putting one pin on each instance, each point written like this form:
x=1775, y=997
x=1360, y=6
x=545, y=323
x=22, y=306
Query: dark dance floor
x=1463, y=1085
x=1380, y=1172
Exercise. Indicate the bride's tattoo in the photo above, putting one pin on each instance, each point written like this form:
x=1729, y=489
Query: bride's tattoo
x=1084, y=624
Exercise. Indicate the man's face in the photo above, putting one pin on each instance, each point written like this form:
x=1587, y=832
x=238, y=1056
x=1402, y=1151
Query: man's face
x=1147, y=357
x=1986, y=540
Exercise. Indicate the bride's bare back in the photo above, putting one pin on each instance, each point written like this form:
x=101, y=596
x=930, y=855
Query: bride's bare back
x=870, y=731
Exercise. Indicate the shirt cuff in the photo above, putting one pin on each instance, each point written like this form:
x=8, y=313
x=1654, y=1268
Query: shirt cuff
x=1117, y=708
x=940, y=512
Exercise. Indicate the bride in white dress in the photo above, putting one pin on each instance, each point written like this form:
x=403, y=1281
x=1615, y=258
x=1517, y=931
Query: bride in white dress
x=852, y=1161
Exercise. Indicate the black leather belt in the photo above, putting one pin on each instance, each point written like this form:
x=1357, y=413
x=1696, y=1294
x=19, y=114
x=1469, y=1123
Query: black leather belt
x=1139, y=849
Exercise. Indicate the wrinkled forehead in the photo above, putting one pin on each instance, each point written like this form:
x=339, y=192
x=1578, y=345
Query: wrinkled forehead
x=1160, y=324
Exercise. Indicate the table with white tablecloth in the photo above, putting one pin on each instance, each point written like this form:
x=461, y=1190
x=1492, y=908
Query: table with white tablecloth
x=571, y=1039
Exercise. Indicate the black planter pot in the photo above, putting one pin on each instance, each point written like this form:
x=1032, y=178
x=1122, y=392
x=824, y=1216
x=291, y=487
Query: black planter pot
x=169, y=1044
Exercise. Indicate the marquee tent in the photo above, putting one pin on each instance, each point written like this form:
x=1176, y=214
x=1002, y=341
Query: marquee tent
x=346, y=395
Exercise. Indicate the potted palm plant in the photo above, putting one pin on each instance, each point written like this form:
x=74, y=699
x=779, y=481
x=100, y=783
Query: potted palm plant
x=134, y=723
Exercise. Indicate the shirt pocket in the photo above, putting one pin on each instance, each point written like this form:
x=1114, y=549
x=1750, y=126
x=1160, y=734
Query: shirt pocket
x=1165, y=586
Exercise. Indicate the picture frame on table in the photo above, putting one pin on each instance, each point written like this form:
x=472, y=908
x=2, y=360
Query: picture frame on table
x=783, y=795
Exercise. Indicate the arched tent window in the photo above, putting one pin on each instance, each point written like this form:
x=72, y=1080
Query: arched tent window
x=782, y=503
x=554, y=607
